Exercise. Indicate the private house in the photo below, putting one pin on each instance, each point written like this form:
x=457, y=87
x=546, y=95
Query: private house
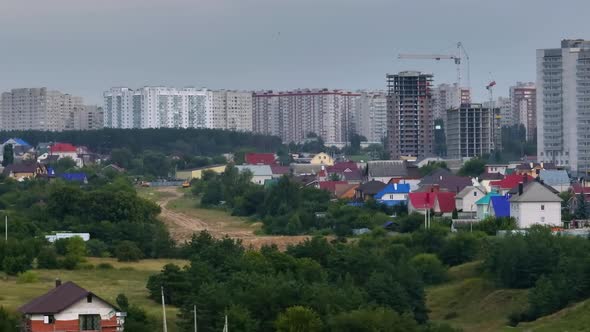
x=69, y=307
x=20, y=148
x=23, y=171
x=466, y=199
x=485, y=179
x=500, y=206
x=535, y=203
x=557, y=179
x=394, y=171
x=532, y=169
x=260, y=159
x=322, y=159
x=197, y=173
x=345, y=191
x=306, y=169
x=496, y=168
x=368, y=190
x=483, y=205
x=577, y=190
x=58, y=151
x=509, y=182
x=58, y=236
x=278, y=170
x=330, y=186
x=260, y=173
x=346, y=171
x=393, y=194
x=114, y=168
x=445, y=180
x=439, y=202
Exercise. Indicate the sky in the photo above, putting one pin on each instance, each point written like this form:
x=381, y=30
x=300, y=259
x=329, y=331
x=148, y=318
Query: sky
x=84, y=47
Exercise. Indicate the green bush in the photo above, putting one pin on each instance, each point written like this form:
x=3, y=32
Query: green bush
x=127, y=251
x=27, y=277
x=47, y=258
x=430, y=268
x=105, y=266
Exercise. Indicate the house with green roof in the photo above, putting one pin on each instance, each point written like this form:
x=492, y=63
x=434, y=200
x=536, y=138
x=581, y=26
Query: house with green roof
x=484, y=209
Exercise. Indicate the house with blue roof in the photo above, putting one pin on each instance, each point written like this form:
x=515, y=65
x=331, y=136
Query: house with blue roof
x=393, y=194
x=500, y=206
x=20, y=148
x=483, y=205
x=557, y=179
x=75, y=177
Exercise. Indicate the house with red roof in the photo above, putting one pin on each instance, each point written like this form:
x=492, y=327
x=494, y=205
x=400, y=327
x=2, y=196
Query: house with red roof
x=509, y=182
x=331, y=186
x=441, y=202
x=260, y=159
x=69, y=307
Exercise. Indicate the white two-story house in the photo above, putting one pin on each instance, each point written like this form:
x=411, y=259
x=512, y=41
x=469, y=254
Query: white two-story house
x=535, y=203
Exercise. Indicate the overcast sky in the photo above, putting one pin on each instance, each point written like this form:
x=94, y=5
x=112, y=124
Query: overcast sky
x=84, y=47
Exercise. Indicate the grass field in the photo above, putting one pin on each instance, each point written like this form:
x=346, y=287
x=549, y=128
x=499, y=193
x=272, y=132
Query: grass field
x=573, y=318
x=471, y=302
x=127, y=278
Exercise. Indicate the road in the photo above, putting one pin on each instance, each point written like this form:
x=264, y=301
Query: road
x=182, y=226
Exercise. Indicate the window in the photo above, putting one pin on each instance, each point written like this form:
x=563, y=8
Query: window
x=49, y=319
x=542, y=207
x=475, y=193
x=542, y=220
x=89, y=322
x=89, y=298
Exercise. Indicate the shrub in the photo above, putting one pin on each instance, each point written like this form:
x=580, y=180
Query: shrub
x=128, y=251
x=14, y=265
x=27, y=277
x=105, y=266
x=459, y=249
x=97, y=248
x=69, y=262
x=47, y=258
x=430, y=268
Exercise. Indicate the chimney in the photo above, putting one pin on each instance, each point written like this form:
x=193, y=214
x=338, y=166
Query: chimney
x=520, y=188
x=532, y=165
x=57, y=282
x=395, y=186
x=440, y=178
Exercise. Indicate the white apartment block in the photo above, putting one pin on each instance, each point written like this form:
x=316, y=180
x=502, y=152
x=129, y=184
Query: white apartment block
x=164, y=107
x=370, y=119
x=292, y=115
x=38, y=109
x=563, y=105
x=448, y=96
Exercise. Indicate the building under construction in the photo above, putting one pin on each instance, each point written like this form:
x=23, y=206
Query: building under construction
x=410, y=122
x=470, y=131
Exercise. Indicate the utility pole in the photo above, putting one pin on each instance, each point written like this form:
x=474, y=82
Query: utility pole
x=164, y=309
x=195, y=313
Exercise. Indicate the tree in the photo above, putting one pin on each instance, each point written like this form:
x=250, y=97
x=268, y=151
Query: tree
x=47, y=258
x=122, y=157
x=8, y=156
x=127, y=251
x=298, y=319
x=9, y=321
x=430, y=268
x=581, y=207
x=64, y=165
x=369, y=320
x=433, y=166
x=473, y=167
x=14, y=265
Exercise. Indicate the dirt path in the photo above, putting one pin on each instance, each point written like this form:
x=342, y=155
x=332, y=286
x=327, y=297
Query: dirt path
x=182, y=226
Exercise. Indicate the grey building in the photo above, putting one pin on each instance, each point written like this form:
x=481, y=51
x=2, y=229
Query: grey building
x=37, y=109
x=469, y=131
x=563, y=105
x=410, y=121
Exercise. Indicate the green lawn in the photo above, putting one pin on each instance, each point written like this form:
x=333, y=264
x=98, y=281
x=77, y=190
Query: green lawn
x=573, y=318
x=472, y=303
x=127, y=278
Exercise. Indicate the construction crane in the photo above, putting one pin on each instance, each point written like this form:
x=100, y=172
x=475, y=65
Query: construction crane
x=458, y=59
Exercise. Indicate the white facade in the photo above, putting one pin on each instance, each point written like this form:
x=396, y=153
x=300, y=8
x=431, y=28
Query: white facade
x=563, y=105
x=164, y=107
x=465, y=200
x=370, y=116
x=533, y=213
x=82, y=307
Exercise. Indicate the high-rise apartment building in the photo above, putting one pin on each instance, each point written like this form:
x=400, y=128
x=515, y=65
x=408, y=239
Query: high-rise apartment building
x=370, y=118
x=410, y=121
x=292, y=115
x=563, y=104
x=504, y=106
x=523, y=98
x=446, y=96
x=164, y=107
x=469, y=131
x=88, y=117
x=37, y=109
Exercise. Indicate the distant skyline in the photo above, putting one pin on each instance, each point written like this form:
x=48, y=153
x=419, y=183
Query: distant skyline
x=85, y=47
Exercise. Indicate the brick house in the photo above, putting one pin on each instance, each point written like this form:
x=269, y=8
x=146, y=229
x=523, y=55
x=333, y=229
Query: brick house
x=68, y=308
